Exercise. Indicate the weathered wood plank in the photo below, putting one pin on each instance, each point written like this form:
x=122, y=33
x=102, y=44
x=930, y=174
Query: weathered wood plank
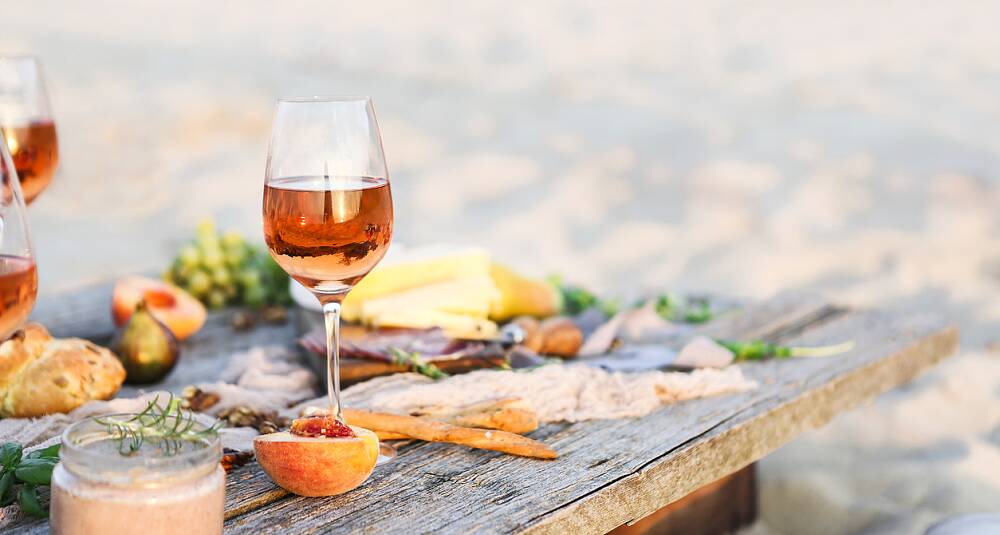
x=450, y=489
x=800, y=394
x=723, y=506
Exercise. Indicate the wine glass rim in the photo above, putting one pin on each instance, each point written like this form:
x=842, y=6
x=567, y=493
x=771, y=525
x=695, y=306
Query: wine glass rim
x=326, y=98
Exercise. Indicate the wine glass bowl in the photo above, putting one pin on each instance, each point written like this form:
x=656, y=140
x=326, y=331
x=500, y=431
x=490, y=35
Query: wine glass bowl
x=327, y=208
x=18, y=276
x=26, y=120
x=327, y=234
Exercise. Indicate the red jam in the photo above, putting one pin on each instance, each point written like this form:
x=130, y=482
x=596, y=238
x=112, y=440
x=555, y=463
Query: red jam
x=321, y=426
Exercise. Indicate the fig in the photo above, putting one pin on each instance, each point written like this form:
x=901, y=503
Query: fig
x=146, y=347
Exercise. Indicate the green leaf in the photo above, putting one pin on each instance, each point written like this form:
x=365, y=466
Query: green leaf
x=577, y=300
x=28, y=500
x=51, y=452
x=698, y=312
x=10, y=455
x=7, y=493
x=35, y=471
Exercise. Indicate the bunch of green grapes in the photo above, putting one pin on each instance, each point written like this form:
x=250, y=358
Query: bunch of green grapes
x=223, y=269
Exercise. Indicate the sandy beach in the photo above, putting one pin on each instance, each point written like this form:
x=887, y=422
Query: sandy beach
x=850, y=149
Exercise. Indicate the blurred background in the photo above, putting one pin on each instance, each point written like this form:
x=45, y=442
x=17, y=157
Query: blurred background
x=851, y=148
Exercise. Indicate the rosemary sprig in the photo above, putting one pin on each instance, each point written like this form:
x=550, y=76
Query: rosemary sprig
x=416, y=363
x=169, y=425
x=759, y=350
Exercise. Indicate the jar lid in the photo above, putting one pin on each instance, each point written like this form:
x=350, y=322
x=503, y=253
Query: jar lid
x=111, y=449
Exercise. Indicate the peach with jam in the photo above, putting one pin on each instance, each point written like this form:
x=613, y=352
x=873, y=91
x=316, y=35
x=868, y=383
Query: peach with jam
x=320, y=457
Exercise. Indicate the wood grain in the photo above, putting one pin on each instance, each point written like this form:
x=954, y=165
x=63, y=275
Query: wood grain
x=609, y=472
x=799, y=395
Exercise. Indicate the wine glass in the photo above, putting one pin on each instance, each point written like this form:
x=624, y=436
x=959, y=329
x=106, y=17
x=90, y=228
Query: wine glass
x=327, y=204
x=18, y=278
x=27, y=123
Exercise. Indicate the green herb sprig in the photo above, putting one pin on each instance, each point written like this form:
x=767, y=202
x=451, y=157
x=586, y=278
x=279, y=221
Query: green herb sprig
x=669, y=306
x=683, y=310
x=760, y=350
x=29, y=472
x=416, y=363
x=169, y=425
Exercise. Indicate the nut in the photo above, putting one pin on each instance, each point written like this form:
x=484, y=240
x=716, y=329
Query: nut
x=274, y=314
x=243, y=320
x=196, y=399
x=560, y=337
x=532, y=332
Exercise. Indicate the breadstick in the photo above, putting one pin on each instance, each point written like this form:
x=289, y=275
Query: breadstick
x=511, y=420
x=508, y=414
x=434, y=431
x=389, y=435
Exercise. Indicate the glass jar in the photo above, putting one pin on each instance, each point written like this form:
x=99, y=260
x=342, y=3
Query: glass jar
x=160, y=488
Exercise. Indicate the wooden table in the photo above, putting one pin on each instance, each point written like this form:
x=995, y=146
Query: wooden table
x=609, y=473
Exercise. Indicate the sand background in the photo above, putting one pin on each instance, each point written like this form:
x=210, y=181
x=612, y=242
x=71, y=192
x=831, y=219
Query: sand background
x=848, y=147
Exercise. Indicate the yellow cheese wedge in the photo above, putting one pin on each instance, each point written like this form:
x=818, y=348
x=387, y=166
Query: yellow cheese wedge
x=469, y=296
x=391, y=278
x=522, y=295
x=456, y=325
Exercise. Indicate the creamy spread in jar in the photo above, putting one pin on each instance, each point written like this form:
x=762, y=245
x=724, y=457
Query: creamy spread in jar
x=159, y=488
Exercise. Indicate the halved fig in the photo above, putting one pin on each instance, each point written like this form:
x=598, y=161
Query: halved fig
x=317, y=466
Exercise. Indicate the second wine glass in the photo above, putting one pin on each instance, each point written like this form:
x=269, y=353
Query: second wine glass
x=327, y=203
x=27, y=123
x=18, y=276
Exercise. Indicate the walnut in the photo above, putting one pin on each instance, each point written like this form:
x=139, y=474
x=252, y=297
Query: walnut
x=196, y=399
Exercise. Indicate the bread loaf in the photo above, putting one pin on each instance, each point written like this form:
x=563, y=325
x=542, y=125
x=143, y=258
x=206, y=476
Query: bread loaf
x=40, y=375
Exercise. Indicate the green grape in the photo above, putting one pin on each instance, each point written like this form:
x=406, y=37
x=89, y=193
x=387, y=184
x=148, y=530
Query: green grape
x=235, y=256
x=224, y=268
x=254, y=296
x=221, y=276
x=189, y=256
x=249, y=279
x=232, y=239
x=206, y=227
x=216, y=299
x=199, y=283
x=209, y=246
x=184, y=273
x=213, y=259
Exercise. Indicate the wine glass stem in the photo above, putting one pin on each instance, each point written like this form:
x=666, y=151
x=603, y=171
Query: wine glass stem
x=331, y=313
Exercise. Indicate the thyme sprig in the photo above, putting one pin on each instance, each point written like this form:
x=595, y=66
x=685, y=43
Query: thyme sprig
x=416, y=363
x=169, y=425
x=760, y=350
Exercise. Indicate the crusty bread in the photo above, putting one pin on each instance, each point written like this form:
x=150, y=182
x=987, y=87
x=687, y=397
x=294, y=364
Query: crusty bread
x=40, y=375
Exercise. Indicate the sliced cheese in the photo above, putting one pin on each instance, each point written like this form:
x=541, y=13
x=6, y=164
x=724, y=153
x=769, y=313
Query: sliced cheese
x=396, y=277
x=470, y=296
x=456, y=325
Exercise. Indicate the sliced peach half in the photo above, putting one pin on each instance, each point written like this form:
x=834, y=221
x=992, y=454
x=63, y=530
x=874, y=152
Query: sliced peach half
x=317, y=466
x=172, y=306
